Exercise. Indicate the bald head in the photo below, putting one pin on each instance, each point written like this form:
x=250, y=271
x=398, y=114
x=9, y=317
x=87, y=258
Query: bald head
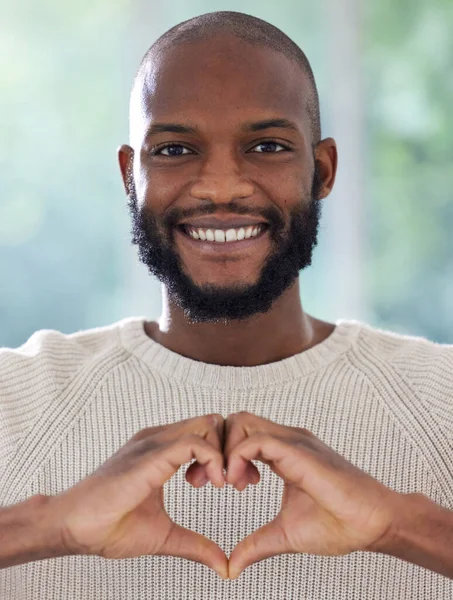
x=251, y=30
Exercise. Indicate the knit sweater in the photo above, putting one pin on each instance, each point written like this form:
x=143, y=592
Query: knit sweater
x=68, y=402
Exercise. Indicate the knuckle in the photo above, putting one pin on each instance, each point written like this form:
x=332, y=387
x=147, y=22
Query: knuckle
x=212, y=419
x=244, y=414
x=306, y=432
x=298, y=431
x=229, y=421
x=191, y=438
x=239, y=416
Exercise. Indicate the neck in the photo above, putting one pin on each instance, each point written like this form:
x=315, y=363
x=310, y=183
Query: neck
x=265, y=338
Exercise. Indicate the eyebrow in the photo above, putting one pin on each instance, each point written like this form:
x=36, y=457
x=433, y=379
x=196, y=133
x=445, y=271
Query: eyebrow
x=169, y=128
x=268, y=124
x=248, y=127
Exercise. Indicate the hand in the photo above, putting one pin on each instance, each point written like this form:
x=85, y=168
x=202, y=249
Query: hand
x=329, y=507
x=118, y=511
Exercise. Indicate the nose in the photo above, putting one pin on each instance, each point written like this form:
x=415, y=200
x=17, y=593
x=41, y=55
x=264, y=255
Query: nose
x=221, y=180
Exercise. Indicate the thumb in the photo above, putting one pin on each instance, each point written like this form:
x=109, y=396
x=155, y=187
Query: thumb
x=269, y=540
x=186, y=543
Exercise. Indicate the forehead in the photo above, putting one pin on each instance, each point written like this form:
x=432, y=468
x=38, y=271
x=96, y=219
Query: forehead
x=220, y=83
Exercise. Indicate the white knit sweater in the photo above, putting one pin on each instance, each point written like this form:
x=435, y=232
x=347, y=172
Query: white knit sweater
x=68, y=402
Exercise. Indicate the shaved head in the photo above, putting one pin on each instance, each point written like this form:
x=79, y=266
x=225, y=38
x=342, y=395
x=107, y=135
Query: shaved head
x=251, y=30
x=224, y=120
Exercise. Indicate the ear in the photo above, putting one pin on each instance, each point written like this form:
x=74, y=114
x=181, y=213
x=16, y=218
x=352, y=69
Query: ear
x=126, y=160
x=327, y=161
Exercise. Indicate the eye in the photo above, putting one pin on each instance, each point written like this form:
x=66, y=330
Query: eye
x=269, y=147
x=173, y=150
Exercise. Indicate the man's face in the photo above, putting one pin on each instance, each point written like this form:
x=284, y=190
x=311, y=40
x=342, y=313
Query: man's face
x=226, y=164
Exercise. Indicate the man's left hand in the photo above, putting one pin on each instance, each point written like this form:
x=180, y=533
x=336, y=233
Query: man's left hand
x=329, y=507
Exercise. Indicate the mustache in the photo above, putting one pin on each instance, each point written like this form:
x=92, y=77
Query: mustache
x=271, y=214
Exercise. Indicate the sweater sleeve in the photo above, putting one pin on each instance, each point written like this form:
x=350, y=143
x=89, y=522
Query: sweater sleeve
x=31, y=377
x=429, y=367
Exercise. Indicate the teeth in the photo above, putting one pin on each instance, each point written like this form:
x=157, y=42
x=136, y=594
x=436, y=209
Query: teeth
x=220, y=236
x=230, y=236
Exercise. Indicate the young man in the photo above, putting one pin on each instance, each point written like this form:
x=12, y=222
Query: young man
x=344, y=431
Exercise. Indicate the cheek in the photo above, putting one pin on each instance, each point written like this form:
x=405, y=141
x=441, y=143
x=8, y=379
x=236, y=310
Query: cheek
x=297, y=189
x=284, y=192
x=140, y=180
x=285, y=182
x=157, y=187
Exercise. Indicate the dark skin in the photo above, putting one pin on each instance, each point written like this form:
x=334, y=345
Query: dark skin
x=217, y=86
x=329, y=507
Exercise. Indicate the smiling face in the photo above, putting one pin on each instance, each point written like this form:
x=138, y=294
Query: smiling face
x=220, y=128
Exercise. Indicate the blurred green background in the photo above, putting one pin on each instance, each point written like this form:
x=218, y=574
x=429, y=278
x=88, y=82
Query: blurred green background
x=385, y=75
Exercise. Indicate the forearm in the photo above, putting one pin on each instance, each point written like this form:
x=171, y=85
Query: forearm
x=423, y=535
x=27, y=532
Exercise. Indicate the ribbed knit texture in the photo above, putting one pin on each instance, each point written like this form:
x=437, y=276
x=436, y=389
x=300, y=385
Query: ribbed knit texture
x=68, y=402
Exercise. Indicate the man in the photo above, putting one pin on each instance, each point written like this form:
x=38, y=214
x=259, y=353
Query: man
x=343, y=431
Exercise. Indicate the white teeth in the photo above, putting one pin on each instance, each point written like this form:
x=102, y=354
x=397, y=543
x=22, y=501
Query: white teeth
x=220, y=236
x=230, y=235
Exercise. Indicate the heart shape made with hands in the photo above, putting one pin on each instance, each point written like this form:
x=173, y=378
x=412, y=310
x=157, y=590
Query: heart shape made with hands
x=329, y=507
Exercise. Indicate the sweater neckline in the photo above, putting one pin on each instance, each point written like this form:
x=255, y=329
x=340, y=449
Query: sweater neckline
x=189, y=371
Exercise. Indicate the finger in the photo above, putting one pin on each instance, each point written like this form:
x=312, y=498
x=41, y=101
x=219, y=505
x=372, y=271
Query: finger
x=250, y=423
x=171, y=456
x=215, y=432
x=269, y=540
x=284, y=459
x=210, y=427
x=197, y=424
x=200, y=425
x=251, y=476
x=185, y=543
x=247, y=424
x=238, y=427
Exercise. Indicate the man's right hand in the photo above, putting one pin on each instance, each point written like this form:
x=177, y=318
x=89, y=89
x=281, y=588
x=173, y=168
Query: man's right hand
x=118, y=511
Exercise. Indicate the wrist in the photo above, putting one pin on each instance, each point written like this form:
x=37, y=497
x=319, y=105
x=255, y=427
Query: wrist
x=29, y=532
x=405, y=508
x=48, y=533
x=422, y=534
x=398, y=508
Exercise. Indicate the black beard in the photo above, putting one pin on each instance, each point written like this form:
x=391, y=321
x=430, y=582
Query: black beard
x=210, y=303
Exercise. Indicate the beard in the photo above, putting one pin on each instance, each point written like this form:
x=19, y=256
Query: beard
x=211, y=303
